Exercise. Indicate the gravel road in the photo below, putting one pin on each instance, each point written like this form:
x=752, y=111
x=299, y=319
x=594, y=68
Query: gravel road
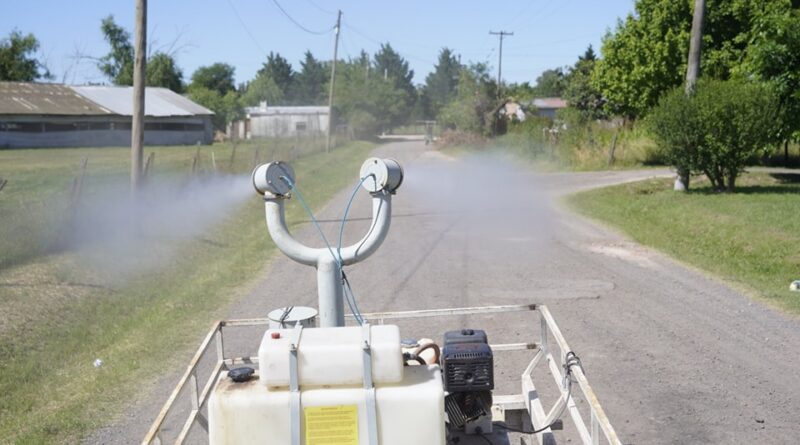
x=674, y=356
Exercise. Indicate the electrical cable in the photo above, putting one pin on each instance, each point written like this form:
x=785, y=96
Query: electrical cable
x=320, y=8
x=303, y=202
x=246, y=29
x=296, y=23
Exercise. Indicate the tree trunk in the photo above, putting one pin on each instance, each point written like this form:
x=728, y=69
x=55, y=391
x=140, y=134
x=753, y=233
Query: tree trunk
x=786, y=153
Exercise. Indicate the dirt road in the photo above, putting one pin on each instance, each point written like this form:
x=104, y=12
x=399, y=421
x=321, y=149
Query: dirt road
x=674, y=357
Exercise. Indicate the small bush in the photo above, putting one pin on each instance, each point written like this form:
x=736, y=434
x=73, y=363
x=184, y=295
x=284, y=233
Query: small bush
x=716, y=131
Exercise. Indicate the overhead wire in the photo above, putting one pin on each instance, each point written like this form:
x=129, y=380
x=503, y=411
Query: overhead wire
x=320, y=8
x=246, y=29
x=298, y=24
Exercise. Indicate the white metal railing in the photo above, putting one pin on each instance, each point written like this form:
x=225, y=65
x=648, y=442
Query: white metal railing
x=528, y=400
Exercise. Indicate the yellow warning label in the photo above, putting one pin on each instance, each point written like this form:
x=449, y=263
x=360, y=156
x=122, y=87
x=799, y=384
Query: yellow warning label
x=331, y=425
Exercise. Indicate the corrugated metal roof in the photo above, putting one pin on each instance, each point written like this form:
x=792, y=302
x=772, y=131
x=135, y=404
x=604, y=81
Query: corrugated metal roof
x=550, y=102
x=158, y=102
x=45, y=98
x=260, y=111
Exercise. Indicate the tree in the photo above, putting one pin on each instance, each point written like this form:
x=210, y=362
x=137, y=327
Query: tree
x=579, y=91
x=262, y=89
x=646, y=56
x=440, y=84
x=17, y=62
x=117, y=65
x=217, y=77
x=280, y=71
x=310, y=81
x=717, y=130
x=550, y=83
x=390, y=64
x=474, y=100
x=162, y=71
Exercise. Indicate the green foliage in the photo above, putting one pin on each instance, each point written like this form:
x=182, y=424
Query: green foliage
x=217, y=77
x=388, y=63
x=262, y=88
x=226, y=108
x=675, y=127
x=367, y=102
x=550, y=83
x=440, y=84
x=468, y=111
x=579, y=92
x=646, y=55
x=117, y=65
x=310, y=82
x=17, y=61
x=280, y=71
x=162, y=71
x=718, y=130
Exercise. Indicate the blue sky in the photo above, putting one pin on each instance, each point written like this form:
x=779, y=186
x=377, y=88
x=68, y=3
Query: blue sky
x=547, y=33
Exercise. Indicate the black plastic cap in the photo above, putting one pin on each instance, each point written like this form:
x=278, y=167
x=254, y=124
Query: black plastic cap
x=240, y=375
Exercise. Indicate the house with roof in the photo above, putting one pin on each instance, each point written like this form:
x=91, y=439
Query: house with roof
x=266, y=121
x=55, y=115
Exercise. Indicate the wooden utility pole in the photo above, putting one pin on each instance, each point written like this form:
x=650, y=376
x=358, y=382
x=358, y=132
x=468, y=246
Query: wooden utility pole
x=501, y=34
x=333, y=82
x=139, y=78
x=692, y=73
x=695, y=46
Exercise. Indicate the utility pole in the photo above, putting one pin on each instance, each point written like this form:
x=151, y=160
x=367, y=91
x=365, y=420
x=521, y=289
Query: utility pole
x=139, y=77
x=333, y=81
x=692, y=73
x=501, y=34
x=695, y=46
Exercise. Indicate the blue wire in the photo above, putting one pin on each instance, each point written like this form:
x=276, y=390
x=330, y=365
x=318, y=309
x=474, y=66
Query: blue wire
x=347, y=211
x=313, y=218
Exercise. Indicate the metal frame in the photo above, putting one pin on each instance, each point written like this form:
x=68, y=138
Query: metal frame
x=527, y=401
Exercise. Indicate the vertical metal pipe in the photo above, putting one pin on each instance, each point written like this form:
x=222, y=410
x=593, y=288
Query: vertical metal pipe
x=333, y=82
x=330, y=292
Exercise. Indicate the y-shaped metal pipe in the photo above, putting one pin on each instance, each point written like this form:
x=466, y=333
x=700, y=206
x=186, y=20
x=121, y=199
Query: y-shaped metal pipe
x=387, y=178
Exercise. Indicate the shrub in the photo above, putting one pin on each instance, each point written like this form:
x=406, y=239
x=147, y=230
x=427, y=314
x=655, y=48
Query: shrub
x=716, y=131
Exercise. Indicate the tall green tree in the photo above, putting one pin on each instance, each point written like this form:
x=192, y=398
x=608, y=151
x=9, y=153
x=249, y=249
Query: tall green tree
x=310, y=82
x=280, y=71
x=117, y=65
x=441, y=83
x=390, y=64
x=469, y=111
x=218, y=77
x=579, y=91
x=550, y=83
x=262, y=89
x=17, y=61
x=162, y=71
x=646, y=55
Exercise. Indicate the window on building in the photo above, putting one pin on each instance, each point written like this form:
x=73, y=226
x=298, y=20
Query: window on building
x=300, y=126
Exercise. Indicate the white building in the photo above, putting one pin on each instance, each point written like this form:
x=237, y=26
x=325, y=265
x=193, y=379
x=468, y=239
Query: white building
x=280, y=122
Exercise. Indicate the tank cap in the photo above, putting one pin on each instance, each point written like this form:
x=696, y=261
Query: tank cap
x=467, y=332
x=240, y=375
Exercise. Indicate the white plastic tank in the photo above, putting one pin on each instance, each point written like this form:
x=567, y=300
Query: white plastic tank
x=331, y=356
x=410, y=412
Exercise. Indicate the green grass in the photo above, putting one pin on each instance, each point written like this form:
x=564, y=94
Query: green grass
x=56, y=320
x=749, y=238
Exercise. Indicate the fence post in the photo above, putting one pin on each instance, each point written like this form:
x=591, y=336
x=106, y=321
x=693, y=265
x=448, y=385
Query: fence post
x=611, y=158
x=148, y=163
x=256, y=157
x=213, y=163
x=233, y=155
x=3, y=183
x=196, y=161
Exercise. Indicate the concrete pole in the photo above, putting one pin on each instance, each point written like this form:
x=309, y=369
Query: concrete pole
x=695, y=46
x=139, y=79
x=333, y=82
x=692, y=73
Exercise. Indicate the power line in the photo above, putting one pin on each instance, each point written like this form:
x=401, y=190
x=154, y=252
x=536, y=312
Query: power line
x=246, y=29
x=320, y=8
x=296, y=23
x=500, y=34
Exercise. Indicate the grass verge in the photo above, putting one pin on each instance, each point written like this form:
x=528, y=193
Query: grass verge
x=51, y=393
x=749, y=238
